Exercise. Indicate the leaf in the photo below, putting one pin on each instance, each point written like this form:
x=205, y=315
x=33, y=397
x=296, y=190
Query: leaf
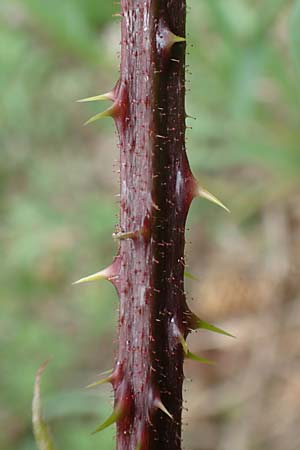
x=40, y=429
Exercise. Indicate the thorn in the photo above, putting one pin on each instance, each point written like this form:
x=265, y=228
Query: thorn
x=184, y=344
x=40, y=430
x=155, y=206
x=173, y=38
x=116, y=414
x=188, y=116
x=159, y=404
x=206, y=194
x=95, y=277
x=199, y=323
x=190, y=276
x=107, y=96
x=102, y=275
x=165, y=39
x=119, y=236
x=190, y=355
x=99, y=383
x=109, y=112
x=106, y=372
x=194, y=357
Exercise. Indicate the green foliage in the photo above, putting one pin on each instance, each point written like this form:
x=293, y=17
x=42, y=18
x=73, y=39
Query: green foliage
x=49, y=222
x=295, y=37
x=246, y=100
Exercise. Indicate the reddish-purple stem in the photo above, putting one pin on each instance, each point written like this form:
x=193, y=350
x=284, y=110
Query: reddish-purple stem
x=157, y=188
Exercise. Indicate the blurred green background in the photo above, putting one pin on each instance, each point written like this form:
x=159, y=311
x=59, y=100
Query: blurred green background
x=58, y=182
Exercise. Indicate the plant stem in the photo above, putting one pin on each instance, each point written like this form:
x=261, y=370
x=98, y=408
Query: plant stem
x=156, y=190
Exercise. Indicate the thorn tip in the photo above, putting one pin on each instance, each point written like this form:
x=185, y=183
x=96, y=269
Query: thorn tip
x=98, y=383
x=197, y=323
x=109, y=112
x=102, y=275
x=106, y=96
x=159, y=404
x=114, y=417
x=210, y=197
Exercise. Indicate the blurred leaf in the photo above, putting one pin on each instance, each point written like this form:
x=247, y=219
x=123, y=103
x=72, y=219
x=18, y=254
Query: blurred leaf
x=295, y=36
x=71, y=403
x=220, y=17
x=64, y=23
x=40, y=428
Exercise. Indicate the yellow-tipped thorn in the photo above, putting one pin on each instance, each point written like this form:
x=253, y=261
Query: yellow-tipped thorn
x=98, y=383
x=106, y=372
x=109, y=112
x=174, y=38
x=102, y=275
x=159, y=404
x=107, y=96
x=119, y=236
x=206, y=194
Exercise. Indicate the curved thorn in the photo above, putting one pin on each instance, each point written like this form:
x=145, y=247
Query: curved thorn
x=116, y=414
x=190, y=276
x=208, y=196
x=109, y=112
x=40, y=430
x=194, y=357
x=159, y=404
x=107, y=96
x=199, y=323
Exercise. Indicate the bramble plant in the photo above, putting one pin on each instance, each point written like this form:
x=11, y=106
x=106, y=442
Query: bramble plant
x=156, y=190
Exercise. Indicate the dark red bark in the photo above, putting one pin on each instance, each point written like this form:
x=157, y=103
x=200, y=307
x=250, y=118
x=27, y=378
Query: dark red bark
x=156, y=191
